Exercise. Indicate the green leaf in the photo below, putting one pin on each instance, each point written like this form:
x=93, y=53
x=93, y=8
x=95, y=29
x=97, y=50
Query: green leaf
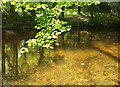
x=57, y=44
x=4, y=1
x=13, y=3
x=23, y=50
x=51, y=47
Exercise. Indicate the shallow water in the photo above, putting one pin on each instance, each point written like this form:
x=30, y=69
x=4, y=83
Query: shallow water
x=79, y=67
x=80, y=64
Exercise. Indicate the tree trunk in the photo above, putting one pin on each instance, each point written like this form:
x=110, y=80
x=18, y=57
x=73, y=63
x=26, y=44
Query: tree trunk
x=3, y=58
x=15, y=60
x=79, y=10
x=25, y=45
x=9, y=63
x=91, y=14
x=63, y=43
x=119, y=12
x=63, y=8
x=25, y=57
x=41, y=53
x=78, y=38
x=54, y=46
x=62, y=13
x=91, y=11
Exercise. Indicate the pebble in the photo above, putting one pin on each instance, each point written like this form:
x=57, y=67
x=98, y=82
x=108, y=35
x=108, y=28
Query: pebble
x=82, y=64
x=85, y=79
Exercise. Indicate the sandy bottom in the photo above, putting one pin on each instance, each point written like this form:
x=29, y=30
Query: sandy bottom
x=78, y=67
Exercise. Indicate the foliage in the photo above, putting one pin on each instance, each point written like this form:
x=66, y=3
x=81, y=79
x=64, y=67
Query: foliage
x=104, y=19
x=23, y=50
x=47, y=23
x=72, y=7
x=47, y=19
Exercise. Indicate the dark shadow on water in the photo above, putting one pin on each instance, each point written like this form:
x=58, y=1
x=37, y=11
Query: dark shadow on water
x=117, y=59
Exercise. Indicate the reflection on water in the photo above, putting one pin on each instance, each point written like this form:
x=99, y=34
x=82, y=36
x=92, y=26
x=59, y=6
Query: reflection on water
x=0, y=67
x=75, y=39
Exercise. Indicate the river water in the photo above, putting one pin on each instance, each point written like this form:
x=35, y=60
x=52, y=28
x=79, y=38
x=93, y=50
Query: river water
x=73, y=41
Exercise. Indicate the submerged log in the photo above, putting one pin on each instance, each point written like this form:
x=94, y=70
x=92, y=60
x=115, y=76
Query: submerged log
x=111, y=50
